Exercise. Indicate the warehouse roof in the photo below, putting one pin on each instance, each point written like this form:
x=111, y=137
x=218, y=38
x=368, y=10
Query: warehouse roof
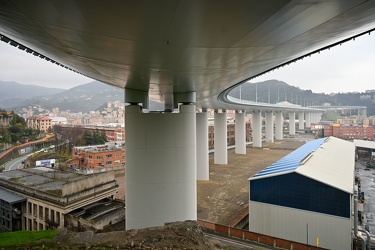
x=290, y=162
x=327, y=160
x=364, y=144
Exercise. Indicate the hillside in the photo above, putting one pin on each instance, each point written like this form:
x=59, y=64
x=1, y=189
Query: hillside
x=273, y=91
x=12, y=93
x=84, y=98
x=94, y=95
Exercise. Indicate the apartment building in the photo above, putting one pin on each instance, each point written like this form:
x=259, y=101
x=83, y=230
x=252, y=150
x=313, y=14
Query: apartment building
x=98, y=156
x=42, y=123
x=350, y=132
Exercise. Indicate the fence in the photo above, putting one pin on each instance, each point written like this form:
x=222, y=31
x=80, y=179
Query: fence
x=254, y=237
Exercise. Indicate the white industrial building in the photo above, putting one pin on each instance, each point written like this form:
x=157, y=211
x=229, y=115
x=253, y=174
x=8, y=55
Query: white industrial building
x=307, y=195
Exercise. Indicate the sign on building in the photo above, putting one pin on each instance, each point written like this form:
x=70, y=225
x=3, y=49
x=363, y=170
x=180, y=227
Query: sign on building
x=46, y=163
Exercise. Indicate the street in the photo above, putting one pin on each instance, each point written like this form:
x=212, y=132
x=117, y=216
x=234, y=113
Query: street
x=15, y=163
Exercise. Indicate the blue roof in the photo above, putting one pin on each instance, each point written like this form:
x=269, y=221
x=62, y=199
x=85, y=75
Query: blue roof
x=290, y=162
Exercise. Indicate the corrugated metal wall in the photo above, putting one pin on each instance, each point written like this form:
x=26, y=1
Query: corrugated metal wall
x=300, y=192
x=300, y=226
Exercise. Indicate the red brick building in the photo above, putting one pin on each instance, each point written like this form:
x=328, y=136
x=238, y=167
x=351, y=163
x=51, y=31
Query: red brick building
x=99, y=156
x=348, y=132
x=115, y=134
x=230, y=135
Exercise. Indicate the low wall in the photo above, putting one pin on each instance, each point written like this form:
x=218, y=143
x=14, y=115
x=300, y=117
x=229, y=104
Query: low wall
x=254, y=237
x=89, y=181
x=14, y=151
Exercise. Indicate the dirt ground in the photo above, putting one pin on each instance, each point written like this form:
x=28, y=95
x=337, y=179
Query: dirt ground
x=227, y=192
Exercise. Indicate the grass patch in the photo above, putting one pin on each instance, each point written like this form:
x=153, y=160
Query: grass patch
x=24, y=237
x=16, y=180
x=57, y=192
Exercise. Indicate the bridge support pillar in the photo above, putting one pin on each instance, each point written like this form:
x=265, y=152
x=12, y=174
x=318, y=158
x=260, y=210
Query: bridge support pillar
x=269, y=126
x=278, y=125
x=292, y=123
x=220, y=136
x=312, y=117
x=308, y=119
x=160, y=167
x=301, y=118
x=240, y=133
x=202, y=146
x=257, y=129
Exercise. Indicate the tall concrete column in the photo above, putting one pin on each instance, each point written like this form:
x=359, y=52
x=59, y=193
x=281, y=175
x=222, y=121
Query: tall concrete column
x=160, y=182
x=301, y=117
x=292, y=123
x=269, y=126
x=312, y=117
x=240, y=132
x=278, y=125
x=308, y=119
x=257, y=129
x=220, y=138
x=202, y=146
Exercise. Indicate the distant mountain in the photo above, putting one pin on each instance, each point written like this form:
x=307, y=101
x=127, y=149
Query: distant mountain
x=84, y=98
x=12, y=93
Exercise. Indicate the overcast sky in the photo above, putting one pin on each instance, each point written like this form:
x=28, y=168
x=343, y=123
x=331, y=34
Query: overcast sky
x=21, y=67
x=345, y=68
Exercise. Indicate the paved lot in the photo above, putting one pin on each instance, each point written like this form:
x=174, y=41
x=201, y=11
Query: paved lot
x=367, y=177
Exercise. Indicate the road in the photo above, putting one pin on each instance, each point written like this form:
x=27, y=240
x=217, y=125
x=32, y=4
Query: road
x=15, y=163
x=233, y=243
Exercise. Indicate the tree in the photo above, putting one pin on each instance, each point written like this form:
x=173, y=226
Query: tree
x=94, y=138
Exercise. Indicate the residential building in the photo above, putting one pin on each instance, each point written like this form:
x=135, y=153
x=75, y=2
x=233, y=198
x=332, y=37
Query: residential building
x=98, y=156
x=42, y=123
x=348, y=132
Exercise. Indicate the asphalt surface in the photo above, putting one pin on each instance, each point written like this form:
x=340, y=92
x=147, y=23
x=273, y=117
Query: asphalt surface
x=367, y=176
x=15, y=163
